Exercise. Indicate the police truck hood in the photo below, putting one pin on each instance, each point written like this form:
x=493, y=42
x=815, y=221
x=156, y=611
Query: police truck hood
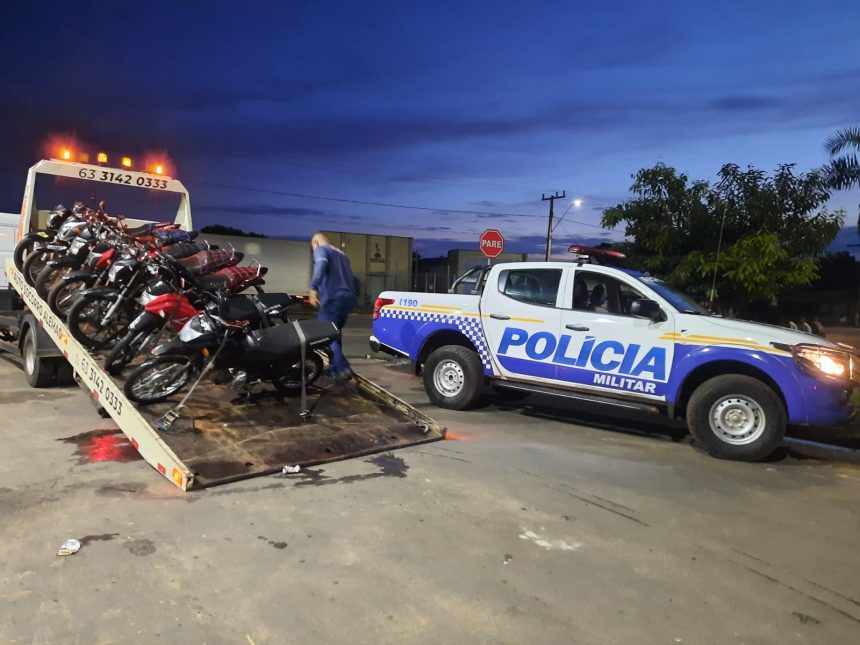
x=729, y=328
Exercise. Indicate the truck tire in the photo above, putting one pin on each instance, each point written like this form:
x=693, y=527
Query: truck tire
x=40, y=372
x=65, y=372
x=736, y=417
x=453, y=377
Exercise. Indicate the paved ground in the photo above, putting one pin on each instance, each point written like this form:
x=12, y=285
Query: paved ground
x=525, y=527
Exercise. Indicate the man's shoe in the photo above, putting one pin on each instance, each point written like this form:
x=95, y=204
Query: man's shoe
x=343, y=377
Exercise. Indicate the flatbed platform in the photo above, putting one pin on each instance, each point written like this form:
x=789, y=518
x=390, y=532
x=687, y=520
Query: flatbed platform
x=223, y=441
x=218, y=440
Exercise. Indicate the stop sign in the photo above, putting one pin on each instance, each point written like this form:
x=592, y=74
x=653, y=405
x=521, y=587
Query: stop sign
x=492, y=243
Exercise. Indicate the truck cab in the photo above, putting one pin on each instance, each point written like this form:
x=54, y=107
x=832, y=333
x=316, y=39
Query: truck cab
x=620, y=338
x=144, y=197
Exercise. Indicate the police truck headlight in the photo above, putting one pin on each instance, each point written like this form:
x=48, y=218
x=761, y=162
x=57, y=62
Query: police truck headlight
x=818, y=361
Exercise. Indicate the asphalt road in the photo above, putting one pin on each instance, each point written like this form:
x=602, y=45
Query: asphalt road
x=527, y=526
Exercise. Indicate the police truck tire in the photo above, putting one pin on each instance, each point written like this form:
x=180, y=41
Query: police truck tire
x=736, y=417
x=453, y=377
x=40, y=372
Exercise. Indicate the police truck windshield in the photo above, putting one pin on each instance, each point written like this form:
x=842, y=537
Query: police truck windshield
x=684, y=304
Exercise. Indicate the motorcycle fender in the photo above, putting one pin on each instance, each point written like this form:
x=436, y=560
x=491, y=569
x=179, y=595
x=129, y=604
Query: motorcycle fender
x=89, y=276
x=175, y=346
x=64, y=261
x=100, y=292
x=39, y=236
x=145, y=321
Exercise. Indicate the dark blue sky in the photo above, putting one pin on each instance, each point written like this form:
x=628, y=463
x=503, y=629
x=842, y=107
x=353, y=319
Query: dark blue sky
x=462, y=105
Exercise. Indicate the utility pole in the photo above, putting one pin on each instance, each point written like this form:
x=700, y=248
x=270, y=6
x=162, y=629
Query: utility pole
x=551, y=199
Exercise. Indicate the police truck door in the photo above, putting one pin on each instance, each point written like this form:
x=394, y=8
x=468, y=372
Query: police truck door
x=609, y=349
x=521, y=317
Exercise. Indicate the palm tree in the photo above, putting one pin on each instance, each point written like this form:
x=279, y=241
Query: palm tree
x=843, y=172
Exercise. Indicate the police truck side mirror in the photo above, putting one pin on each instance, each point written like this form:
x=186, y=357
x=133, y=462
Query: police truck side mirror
x=646, y=309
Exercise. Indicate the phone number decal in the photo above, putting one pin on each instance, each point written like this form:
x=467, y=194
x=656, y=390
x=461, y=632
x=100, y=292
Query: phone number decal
x=122, y=178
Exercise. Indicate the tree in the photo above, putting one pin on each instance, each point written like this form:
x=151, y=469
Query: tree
x=843, y=172
x=769, y=230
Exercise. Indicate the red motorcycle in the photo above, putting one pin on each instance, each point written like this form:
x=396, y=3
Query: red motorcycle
x=166, y=308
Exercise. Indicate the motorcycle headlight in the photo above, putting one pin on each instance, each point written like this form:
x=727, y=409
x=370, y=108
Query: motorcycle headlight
x=198, y=326
x=823, y=361
x=116, y=271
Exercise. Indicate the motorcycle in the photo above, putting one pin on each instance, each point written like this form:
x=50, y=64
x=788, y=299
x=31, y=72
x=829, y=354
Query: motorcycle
x=65, y=291
x=100, y=315
x=165, y=308
x=277, y=354
x=37, y=239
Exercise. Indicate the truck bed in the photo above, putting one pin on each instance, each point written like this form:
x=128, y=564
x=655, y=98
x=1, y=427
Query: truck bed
x=217, y=439
x=221, y=441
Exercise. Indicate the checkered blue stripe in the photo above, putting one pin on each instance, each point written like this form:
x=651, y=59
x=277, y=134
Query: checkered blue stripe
x=469, y=326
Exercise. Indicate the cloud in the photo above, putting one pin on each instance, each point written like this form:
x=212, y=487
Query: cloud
x=261, y=209
x=740, y=103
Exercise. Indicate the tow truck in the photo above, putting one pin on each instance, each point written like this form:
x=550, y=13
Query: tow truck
x=215, y=440
x=620, y=339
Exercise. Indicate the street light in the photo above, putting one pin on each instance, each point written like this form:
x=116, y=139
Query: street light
x=574, y=203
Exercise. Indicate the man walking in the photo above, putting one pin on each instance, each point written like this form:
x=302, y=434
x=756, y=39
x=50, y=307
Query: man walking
x=333, y=292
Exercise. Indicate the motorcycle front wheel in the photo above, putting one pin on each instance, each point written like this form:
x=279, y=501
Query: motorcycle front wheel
x=63, y=294
x=33, y=265
x=289, y=383
x=158, y=379
x=22, y=250
x=85, y=316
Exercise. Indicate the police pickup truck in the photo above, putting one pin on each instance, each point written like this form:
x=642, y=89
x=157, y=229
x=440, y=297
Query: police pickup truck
x=620, y=338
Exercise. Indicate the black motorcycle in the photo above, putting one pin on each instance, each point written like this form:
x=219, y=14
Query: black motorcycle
x=249, y=355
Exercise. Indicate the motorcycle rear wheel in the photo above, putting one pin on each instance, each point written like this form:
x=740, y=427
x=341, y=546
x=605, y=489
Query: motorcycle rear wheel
x=158, y=379
x=290, y=382
x=125, y=350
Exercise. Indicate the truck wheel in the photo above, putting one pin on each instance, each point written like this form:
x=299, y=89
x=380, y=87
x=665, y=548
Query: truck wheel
x=736, y=417
x=40, y=372
x=65, y=372
x=453, y=377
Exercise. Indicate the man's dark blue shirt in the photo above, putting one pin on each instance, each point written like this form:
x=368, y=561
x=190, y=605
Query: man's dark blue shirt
x=332, y=277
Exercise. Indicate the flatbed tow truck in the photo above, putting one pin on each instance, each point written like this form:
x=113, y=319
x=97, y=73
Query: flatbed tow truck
x=215, y=440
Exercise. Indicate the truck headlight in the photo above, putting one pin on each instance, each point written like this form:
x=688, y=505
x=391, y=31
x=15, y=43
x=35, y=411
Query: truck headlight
x=819, y=360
